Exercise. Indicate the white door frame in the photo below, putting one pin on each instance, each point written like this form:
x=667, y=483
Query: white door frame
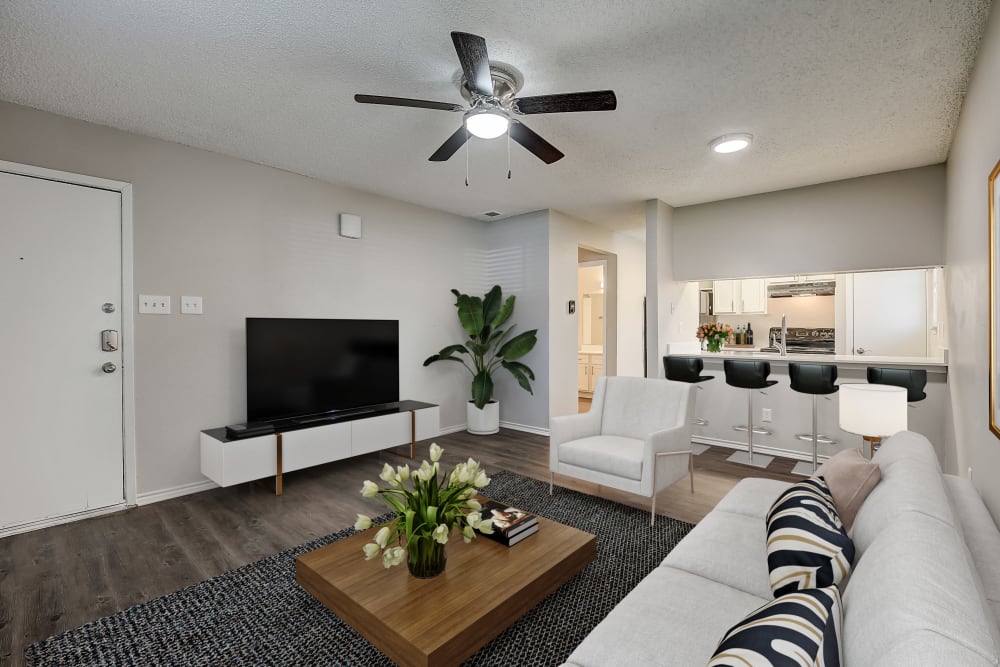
x=127, y=310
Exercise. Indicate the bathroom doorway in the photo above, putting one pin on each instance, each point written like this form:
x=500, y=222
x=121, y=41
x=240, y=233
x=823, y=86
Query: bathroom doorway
x=592, y=324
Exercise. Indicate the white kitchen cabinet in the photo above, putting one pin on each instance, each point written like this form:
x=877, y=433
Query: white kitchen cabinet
x=726, y=296
x=589, y=368
x=734, y=297
x=753, y=296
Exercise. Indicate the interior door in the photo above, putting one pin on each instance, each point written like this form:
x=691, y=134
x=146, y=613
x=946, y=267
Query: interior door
x=890, y=313
x=61, y=398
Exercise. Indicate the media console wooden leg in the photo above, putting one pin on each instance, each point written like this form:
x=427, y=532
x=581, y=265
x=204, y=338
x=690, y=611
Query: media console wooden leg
x=413, y=433
x=277, y=476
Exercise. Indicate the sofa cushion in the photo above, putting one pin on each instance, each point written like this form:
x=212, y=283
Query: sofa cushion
x=980, y=535
x=727, y=548
x=906, y=446
x=913, y=588
x=907, y=486
x=807, y=546
x=752, y=496
x=610, y=454
x=851, y=477
x=671, y=617
x=800, y=628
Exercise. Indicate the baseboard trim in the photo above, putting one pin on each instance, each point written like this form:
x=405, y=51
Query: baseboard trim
x=525, y=428
x=758, y=449
x=452, y=429
x=151, y=497
x=58, y=520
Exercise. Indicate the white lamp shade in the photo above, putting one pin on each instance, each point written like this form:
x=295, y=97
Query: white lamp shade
x=874, y=410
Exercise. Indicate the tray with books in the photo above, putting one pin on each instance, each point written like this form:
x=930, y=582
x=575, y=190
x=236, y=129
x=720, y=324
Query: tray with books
x=510, y=524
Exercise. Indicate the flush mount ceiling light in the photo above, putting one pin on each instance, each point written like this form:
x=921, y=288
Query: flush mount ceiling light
x=486, y=123
x=731, y=143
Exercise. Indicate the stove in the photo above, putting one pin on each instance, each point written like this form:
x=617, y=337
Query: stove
x=806, y=341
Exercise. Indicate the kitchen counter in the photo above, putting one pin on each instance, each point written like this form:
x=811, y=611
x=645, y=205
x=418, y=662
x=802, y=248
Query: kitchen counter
x=931, y=364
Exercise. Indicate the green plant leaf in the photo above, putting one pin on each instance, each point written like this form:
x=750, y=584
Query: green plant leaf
x=470, y=314
x=505, y=312
x=482, y=389
x=519, y=345
x=518, y=371
x=445, y=355
x=491, y=305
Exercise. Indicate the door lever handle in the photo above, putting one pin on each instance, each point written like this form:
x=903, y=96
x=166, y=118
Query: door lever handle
x=109, y=340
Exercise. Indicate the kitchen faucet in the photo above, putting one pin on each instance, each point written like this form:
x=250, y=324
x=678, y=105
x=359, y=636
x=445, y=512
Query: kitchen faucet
x=783, y=347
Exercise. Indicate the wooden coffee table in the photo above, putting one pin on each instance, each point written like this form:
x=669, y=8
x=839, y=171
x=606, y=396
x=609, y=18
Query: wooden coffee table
x=442, y=621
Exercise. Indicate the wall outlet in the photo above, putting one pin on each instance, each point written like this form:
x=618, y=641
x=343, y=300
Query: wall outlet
x=765, y=414
x=970, y=472
x=191, y=305
x=154, y=305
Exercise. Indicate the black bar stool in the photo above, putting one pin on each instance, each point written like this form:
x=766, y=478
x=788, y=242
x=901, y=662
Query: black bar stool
x=818, y=380
x=686, y=369
x=749, y=375
x=912, y=380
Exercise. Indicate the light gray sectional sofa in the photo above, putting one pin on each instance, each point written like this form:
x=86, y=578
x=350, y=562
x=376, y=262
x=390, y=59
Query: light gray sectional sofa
x=924, y=590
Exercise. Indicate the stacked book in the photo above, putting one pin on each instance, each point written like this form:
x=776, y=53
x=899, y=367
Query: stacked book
x=510, y=525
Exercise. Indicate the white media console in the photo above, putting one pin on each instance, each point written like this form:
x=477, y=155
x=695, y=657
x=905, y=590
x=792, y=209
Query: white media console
x=232, y=461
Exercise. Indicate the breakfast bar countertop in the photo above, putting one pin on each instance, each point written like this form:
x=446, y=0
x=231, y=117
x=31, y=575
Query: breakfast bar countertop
x=932, y=364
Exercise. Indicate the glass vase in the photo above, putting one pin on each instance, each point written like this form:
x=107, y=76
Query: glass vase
x=714, y=344
x=425, y=558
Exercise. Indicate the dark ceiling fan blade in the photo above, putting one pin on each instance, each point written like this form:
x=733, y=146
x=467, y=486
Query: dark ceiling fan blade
x=597, y=100
x=407, y=102
x=542, y=149
x=452, y=144
x=471, y=51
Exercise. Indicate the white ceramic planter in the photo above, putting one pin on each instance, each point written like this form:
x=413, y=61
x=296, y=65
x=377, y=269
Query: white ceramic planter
x=485, y=421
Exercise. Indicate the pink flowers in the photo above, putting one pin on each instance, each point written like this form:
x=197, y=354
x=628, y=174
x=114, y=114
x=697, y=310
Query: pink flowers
x=715, y=334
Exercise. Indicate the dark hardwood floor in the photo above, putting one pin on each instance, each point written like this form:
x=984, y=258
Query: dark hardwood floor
x=58, y=578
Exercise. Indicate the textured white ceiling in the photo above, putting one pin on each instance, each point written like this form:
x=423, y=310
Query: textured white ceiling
x=830, y=89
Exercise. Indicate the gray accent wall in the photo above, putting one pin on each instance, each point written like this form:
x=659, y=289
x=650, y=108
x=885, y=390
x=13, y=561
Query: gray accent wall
x=975, y=151
x=890, y=220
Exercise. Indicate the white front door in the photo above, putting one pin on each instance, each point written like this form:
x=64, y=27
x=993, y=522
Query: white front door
x=60, y=261
x=890, y=313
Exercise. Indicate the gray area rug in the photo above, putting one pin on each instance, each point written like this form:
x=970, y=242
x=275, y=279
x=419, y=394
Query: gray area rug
x=258, y=615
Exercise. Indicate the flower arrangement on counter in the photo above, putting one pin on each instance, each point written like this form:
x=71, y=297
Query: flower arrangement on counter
x=714, y=335
x=426, y=512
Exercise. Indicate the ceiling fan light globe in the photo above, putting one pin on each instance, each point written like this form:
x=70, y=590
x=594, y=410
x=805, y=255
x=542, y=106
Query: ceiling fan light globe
x=486, y=124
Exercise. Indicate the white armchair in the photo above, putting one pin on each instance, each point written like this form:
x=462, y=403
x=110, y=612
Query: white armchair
x=635, y=438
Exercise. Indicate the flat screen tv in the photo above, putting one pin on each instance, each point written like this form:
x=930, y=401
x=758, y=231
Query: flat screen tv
x=308, y=367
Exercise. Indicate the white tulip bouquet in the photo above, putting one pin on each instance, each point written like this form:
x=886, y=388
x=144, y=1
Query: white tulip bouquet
x=426, y=512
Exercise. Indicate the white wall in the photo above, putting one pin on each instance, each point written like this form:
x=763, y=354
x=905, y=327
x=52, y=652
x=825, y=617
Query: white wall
x=518, y=261
x=566, y=234
x=891, y=220
x=975, y=151
x=253, y=240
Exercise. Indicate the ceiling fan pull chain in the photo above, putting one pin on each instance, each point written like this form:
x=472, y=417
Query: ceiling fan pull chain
x=467, y=142
x=508, y=154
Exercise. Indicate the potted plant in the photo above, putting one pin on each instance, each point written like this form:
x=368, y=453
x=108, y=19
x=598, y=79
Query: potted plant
x=489, y=347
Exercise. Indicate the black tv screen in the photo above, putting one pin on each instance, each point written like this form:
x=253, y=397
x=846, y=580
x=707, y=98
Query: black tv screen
x=300, y=367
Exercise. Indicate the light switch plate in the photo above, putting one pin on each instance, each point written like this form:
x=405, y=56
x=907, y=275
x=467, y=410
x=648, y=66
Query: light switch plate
x=151, y=304
x=191, y=305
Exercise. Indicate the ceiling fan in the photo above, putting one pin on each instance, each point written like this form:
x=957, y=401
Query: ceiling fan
x=490, y=89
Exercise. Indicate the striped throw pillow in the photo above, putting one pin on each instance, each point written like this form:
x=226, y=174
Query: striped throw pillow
x=800, y=628
x=807, y=546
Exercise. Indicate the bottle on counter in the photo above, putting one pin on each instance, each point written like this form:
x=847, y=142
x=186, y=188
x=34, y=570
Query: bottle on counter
x=739, y=334
x=748, y=335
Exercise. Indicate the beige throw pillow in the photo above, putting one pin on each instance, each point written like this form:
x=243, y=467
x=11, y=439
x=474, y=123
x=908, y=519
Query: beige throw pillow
x=851, y=477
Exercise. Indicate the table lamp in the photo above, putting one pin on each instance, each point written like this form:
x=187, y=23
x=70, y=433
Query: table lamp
x=873, y=411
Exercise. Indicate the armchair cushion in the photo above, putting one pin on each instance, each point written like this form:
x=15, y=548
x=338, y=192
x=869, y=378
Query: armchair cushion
x=611, y=454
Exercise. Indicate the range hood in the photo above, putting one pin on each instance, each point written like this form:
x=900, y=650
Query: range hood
x=817, y=288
